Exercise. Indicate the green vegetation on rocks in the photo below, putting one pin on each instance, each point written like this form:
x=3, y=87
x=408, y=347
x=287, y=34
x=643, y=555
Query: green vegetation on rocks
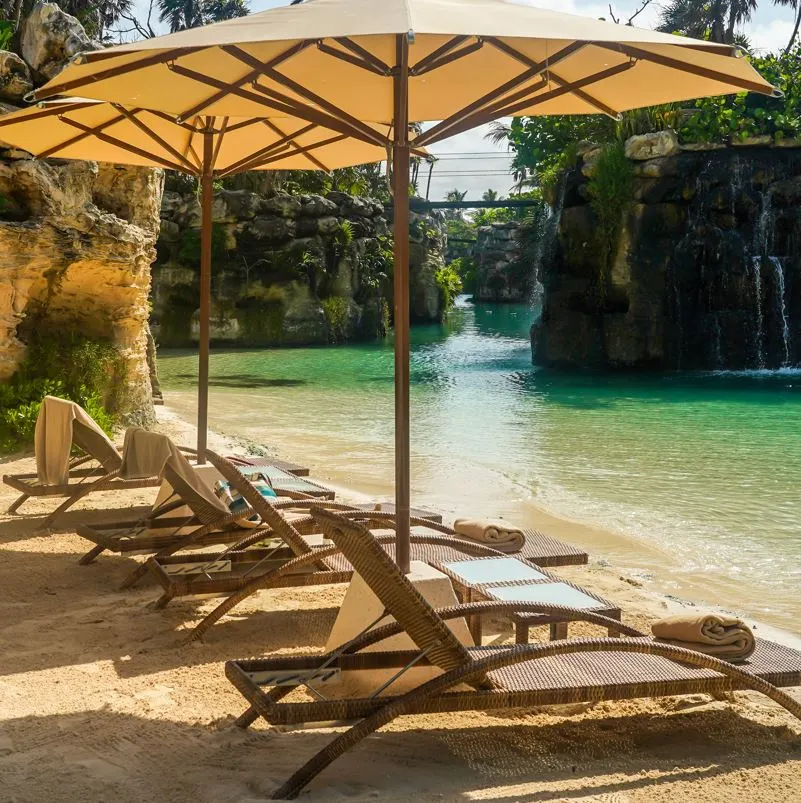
x=65, y=364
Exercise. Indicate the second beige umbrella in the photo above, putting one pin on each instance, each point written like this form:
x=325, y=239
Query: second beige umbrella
x=207, y=147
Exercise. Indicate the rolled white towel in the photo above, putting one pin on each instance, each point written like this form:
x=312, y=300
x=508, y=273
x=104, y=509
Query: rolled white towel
x=496, y=534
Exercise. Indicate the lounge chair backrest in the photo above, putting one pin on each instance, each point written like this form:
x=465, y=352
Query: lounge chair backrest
x=399, y=597
x=60, y=424
x=150, y=454
x=266, y=511
x=96, y=443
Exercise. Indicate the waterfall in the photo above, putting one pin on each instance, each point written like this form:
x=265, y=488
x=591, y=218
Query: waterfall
x=781, y=304
x=763, y=235
x=548, y=237
x=718, y=337
x=759, y=335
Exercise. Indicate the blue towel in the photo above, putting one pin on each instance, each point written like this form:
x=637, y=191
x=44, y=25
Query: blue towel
x=236, y=502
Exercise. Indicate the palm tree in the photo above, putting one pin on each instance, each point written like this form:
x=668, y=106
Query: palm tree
x=183, y=14
x=490, y=195
x=715, y=20
x=455, y=196
x=796, y=6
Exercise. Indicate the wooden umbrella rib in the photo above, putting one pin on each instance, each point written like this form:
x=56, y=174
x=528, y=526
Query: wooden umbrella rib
x=423, y=65
x=130, y=115
x=568, y=88
x=243, y=124
x=243, y=165
x=113, y=72
x=267, y=150
x=307, y=94
x=124, y=145
x=300, y=151
x=349, y=58
x=481, y=117
x=356, y=48
x=589, y=99
x=683, y=66
x=245, y=79
x=50, y=111
x=316, y=162
x=311, y=114
x=218, y=144
x=79, y=137
x=535, y=69
x=457, y=55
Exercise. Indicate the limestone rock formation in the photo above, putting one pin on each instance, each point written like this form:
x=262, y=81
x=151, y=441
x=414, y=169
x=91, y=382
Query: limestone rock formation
x=706, y=272
x=288, y=270
x=76, y=243
x=50, y=38
x=498, y=269
x=652, y=146
x=15, y=77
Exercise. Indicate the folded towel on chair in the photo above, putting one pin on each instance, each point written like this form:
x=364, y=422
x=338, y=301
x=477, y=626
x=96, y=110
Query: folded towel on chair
x=723, y=637
x=60, y=424
x=496, y=534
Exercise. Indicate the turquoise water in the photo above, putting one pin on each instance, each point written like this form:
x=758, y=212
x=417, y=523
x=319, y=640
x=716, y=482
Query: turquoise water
x=694, y=477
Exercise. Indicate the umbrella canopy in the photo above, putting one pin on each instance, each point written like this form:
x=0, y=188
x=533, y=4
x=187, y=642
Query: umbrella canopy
x=108, y=132
x=474, y=59
x=203, y=146
x=344, y=64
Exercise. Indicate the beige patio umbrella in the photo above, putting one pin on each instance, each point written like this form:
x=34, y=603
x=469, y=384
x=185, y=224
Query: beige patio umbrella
x=345, y=63
x=208, y=147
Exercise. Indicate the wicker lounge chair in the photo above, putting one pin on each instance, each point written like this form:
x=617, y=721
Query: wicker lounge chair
x=166, y=529
x=247, y=570
x=98, y=469
x=95, y=469
x=521, y=676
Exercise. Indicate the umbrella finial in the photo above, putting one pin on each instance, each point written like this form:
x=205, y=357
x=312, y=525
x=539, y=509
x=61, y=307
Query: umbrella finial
x=410, y=36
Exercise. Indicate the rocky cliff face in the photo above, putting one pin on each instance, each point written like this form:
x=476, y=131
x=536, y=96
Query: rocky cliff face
x=76, y=243
x=499, y=273
x=76, y=238
x=707, y=269
x=287, y=270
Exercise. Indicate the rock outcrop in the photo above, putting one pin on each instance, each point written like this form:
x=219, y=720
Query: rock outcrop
x=76, y=239
x=706, y=273
x=15, y=77
x=500, y=276
x=287, y=269
x=50, y=38
x=76, y=245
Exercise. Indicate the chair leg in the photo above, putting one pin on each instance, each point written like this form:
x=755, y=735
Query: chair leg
x=163, y=601
x=18, y=503
x=90, y=556
x=521, y=632
x=134, y=577
x=246, y=719
x=558, y=631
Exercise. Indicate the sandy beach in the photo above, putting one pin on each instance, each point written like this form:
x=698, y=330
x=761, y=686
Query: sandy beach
x=102, y=699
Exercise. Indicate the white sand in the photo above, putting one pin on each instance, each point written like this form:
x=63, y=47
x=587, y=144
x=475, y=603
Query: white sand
x=100, y=700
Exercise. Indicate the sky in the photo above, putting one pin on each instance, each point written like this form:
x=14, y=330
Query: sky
x=470, y=162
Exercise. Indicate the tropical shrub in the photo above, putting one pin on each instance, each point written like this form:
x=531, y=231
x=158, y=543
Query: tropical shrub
x=70, y=365
x=450, y=285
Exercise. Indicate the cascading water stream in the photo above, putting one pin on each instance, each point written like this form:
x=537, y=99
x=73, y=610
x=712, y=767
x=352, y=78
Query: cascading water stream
x=781, y=304
x=759, y=335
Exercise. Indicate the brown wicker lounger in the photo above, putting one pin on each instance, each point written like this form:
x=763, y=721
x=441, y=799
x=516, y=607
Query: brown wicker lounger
x=88, y=476
x=164, y=533
x=520, y=676
x=249, y=571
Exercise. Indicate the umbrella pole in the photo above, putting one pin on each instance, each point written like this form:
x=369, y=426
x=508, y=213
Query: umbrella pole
x=400, y=176
x=206, y=200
